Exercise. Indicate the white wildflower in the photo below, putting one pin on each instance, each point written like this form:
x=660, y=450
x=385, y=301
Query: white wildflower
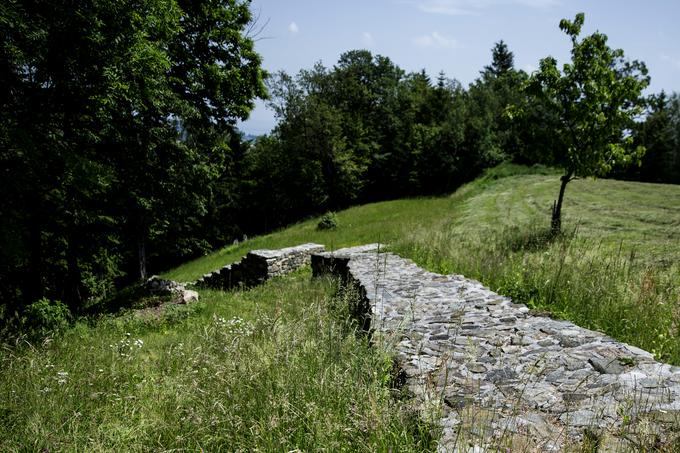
x=62, y=377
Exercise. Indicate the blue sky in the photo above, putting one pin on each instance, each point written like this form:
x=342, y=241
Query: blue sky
x=456, y=36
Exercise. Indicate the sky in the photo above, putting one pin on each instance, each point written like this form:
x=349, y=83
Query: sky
x=456, y=36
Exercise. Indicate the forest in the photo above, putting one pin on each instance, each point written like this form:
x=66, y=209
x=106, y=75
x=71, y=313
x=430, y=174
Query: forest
x=121, y=157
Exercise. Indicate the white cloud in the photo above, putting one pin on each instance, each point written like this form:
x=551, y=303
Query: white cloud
x=436, y=39
x=367, y=39
x=293, y=28
x=672, y=60
x=467, y=7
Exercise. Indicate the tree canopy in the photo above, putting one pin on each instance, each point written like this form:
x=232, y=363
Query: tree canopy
x=116, y=118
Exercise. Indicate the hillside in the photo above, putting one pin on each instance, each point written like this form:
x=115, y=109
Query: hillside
x=639, y=216
x=615, y=269
x=279, y=367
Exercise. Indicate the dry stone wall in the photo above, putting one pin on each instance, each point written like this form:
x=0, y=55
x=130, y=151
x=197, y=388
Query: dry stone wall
x=260, y=265
x=496, y=376
x=253, y=269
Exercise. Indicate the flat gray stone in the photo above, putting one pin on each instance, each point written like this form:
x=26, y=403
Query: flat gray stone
x=607, y=366
x=477, y=368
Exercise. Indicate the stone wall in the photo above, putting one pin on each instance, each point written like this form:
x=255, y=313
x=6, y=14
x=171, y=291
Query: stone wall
x=494, y=374
x=260, y=265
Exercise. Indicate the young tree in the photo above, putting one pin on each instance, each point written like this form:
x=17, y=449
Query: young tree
x=594, y=100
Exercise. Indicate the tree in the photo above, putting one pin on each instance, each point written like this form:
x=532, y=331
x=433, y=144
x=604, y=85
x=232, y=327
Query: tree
x=436, y=135
x=594, y=101
x=503, y=61
x=498, y=89
x=660, y=135
x=205, y=79
x=115, y=125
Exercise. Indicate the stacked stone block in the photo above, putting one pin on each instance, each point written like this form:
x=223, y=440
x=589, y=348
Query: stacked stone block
x=260, y=265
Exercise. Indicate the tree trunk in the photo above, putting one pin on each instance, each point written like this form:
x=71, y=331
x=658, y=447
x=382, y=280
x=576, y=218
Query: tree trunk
x=141, y=254
x=73, y=273
x=35, y=290
x=556, y=223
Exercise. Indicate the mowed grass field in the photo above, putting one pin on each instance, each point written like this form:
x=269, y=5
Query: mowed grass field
x=615, y=268
x=384, y=222
x=637, y=216
x=281, y=368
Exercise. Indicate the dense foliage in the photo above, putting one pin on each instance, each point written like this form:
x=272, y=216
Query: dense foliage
x=660, y=135
x=120, y=156
x=114, y=135
x=365, y=130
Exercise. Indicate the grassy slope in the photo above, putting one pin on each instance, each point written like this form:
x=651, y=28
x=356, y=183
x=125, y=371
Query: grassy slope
x=644, y=217
x=292, y=375
x=378, y=222
x=616, y=269
x=641, y=217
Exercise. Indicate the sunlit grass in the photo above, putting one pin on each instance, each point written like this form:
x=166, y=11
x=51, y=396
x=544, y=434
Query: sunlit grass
x=378, y=222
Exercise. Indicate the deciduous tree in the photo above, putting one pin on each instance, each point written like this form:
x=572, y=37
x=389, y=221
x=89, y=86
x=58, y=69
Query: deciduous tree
x=115, y=118
x=594, y=99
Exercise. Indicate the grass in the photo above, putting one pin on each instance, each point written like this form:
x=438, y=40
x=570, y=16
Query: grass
x=376, y=222
x=616, y=268
x=386, y=222
x=277, y=368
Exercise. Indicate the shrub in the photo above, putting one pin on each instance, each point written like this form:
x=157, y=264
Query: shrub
x=44, y=317
x=329, y=221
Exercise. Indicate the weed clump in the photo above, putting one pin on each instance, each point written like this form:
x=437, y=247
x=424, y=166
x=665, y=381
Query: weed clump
x=45, y=317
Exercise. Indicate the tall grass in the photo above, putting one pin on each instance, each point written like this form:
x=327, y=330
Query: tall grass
x=277, y=368
x=582, y=279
